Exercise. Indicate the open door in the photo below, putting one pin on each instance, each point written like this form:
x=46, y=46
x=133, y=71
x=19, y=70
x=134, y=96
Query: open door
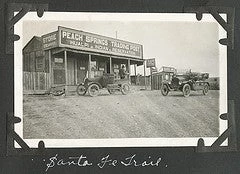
x=82, y=67
x=71, y=71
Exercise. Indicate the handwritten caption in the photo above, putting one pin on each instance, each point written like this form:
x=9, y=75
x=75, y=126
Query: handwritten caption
x=83, y=161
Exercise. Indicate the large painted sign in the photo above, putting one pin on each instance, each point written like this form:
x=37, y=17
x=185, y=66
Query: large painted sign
x=95, y=43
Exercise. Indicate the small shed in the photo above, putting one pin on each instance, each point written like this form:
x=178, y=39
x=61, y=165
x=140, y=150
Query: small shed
x=165, y=74
x=35, y=67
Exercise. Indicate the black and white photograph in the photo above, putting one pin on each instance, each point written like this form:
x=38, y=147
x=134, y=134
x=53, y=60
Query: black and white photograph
x=118, y=79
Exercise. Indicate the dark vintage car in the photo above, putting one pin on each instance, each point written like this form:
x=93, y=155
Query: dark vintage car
x=185, y=83
x=93, y=85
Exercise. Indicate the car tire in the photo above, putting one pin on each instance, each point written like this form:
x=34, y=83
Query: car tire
x=186, y=90
x=93, y=90
x=81, y=90
x=164, y=90
x=205, y=89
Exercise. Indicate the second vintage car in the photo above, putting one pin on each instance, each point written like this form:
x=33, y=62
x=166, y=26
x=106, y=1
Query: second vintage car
x=186, y=82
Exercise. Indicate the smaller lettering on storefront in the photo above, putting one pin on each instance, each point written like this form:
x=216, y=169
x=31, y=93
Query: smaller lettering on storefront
x=50, y=40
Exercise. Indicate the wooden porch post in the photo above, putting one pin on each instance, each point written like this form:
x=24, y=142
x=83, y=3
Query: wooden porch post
x=50, y=80
x=129, y=69
x=89, y=66
x=75, y=71
x=144, y=69
x=66, y=73
x=110, y=58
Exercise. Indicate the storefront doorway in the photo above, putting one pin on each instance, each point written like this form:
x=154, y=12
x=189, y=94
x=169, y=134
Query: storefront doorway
x=77, y=67
x=71, y=71
x=82, y=67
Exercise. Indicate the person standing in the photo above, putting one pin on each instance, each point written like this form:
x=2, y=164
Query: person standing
x=138, y=79
x=122, y=72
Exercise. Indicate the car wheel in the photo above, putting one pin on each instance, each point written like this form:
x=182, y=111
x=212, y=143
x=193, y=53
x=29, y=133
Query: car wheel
x=93, y=90
x=164, y=90
x=186, y=90
x=81, y=90
x=205, y=89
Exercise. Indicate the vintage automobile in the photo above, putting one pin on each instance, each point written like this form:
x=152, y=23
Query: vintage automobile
x=185, y=83
x=93, y=85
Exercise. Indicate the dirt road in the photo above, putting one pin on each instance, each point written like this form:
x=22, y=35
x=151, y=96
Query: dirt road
x=136, y=115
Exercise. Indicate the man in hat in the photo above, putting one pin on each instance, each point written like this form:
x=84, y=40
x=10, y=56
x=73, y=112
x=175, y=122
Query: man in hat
x=122, y=72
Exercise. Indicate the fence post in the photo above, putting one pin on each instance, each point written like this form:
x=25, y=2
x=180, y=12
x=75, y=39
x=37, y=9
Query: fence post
x=151, y=78
x=144, y=69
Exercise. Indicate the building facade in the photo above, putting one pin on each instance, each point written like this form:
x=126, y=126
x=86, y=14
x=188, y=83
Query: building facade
x=66, y=56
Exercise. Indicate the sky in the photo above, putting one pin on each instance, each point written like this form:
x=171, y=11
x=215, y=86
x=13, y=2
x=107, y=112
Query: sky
x=183, y=45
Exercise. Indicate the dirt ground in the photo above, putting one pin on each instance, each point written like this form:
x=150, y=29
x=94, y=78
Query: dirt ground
x=140, y=114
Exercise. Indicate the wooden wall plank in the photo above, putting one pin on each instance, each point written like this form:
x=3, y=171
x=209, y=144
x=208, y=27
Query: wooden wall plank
x=35, y=81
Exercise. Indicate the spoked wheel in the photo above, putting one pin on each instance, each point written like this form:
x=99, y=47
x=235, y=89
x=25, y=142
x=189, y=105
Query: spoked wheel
x=205, y=89
x=125, y=89
x=164, y=90
x=81, y=90
x=186, y=90
x=93, y=90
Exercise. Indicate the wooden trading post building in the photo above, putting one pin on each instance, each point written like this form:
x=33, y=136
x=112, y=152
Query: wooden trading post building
x=66, y=56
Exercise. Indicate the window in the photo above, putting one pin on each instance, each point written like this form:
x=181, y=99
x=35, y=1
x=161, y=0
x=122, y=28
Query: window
x=39, y=64
x=166, y=76
x=39, y=60
x=101, y=66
